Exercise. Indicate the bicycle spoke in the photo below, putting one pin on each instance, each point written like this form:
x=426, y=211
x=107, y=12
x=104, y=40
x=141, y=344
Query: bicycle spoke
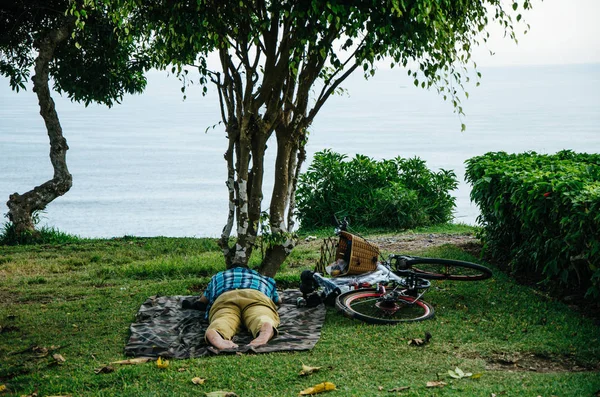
x=365, y=301
x=445, y=269
x=373, y=307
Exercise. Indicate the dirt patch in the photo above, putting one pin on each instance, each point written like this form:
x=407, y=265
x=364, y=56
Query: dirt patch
x=418, y=242
x=8, y=297
x=531, y=362
x=406, y=243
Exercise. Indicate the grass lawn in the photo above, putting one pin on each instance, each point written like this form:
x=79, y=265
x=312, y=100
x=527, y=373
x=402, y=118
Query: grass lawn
x=78, y=298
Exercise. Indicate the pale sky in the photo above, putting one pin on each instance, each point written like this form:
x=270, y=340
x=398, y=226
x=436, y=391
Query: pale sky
x=562, y=32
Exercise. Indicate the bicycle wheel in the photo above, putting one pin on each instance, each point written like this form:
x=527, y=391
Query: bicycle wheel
x=448, y=269
x=372, y=307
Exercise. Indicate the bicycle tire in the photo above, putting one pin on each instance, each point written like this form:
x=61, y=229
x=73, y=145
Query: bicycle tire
x=446, y=269
x=361, y=305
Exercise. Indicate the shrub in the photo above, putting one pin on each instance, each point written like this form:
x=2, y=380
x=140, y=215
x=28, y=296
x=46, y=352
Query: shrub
x=541, y=213
x=398, y=194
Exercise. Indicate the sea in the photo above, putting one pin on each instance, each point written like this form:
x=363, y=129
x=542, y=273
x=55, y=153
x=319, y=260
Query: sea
x=153, y=165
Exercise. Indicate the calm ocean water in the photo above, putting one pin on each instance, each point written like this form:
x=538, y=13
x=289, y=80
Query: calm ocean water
x=148, y=168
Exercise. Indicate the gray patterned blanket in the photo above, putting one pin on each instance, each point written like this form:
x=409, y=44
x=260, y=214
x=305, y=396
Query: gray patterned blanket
x=164, y=329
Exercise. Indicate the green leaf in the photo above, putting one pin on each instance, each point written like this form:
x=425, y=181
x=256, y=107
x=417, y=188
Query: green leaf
x=459, y=373
x=453, y=374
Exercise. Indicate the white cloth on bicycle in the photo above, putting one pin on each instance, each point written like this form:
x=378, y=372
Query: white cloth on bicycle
x=344, y=283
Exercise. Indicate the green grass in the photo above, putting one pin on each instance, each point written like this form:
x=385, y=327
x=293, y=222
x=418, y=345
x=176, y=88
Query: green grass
x=45, y=235
x=78, y=298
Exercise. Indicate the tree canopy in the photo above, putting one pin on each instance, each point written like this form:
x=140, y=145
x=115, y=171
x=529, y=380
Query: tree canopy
x=87, y=65
x=279, y=62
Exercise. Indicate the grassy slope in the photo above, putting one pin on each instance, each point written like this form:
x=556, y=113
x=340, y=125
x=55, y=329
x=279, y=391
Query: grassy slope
x=79, y=299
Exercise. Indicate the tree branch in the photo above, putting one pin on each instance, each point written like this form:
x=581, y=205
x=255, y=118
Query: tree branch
x=323, y=97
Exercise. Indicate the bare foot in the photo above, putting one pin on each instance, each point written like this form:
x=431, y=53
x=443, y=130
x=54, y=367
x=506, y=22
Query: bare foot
x=217, y=340
x=264, y=336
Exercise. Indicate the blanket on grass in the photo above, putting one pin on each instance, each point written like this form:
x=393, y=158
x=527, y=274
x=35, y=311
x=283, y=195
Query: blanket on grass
x=164, y=329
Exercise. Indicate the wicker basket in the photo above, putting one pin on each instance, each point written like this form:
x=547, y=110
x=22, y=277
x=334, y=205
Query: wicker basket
x=361, y=255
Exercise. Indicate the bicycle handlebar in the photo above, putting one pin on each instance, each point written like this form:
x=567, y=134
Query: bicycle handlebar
x=341, y=226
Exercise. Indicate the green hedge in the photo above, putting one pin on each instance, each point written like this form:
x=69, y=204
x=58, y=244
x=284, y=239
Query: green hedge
x=397, y=194
x=541, y=213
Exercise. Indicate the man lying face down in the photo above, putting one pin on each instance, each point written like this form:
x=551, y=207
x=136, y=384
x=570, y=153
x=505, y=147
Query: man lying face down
x=240, y=296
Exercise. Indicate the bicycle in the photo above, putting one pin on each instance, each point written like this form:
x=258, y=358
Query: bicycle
x=386, y=291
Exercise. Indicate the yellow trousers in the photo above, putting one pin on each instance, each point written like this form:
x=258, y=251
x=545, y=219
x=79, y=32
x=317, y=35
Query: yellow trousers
x=247, y=307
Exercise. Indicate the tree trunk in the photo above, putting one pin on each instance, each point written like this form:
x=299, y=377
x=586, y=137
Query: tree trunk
x=245, y=159
x=274, y=258
x=297, y=158
x=278, y=251
x=232, y=132
x=249, y=193
x=22, y=206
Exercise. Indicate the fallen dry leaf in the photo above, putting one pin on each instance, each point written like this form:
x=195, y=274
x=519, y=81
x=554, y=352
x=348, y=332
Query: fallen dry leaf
x=420, y=341
x=162, y=364
x=320, y=388
x=59, y=358
x=198, y=381
x=2, y=388
x=397, y=389
x=133, y=361
x=380, y=388
x=40, y=351
x=107, y=369
x=182, y=369
x=34, y=394
x=437, y=383
x=63, y=395
x=477, y=375
x=221, y=393
x=306, y=370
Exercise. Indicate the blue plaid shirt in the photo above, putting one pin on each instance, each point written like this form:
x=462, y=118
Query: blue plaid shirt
x=239, y=278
